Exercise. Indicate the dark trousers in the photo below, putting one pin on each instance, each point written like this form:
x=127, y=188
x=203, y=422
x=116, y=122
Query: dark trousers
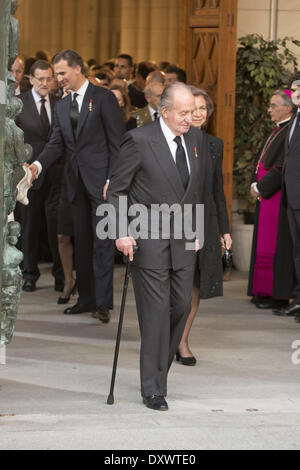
x=294, y=223
x=30, y=218
x=163, y=300
x=94, y=258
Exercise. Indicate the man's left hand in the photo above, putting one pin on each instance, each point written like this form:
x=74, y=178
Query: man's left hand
x=105, y=190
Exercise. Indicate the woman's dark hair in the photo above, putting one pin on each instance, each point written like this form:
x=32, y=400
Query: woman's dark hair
x=127, y=104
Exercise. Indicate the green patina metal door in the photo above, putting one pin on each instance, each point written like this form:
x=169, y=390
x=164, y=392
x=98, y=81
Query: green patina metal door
x=13, y=153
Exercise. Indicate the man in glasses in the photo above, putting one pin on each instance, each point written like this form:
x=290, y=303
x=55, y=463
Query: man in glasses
x=36, y=121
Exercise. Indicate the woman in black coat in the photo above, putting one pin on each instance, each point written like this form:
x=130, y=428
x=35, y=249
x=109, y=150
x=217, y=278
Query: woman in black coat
x=208, y=279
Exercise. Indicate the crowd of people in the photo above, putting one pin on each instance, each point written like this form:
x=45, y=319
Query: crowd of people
x=75, y=116
x=99, y=132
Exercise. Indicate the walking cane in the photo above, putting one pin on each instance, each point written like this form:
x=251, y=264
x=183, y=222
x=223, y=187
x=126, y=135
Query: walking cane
x=110, y=399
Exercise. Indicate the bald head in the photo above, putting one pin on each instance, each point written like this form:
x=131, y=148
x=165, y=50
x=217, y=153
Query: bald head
x=18, y=70
x=153, y=92
x=156, y=76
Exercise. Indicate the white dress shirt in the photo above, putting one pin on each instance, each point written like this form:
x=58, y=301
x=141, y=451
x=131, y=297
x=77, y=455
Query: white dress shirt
x=37, y=99
x=170, y=136
x=152, y=112
x=81, y=92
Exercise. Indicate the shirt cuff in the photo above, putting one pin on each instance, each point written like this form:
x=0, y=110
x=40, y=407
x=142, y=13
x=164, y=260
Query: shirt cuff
x=254, y=185
x=39, y=167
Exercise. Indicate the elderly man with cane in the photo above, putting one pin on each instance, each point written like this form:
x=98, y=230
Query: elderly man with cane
x=158, y=164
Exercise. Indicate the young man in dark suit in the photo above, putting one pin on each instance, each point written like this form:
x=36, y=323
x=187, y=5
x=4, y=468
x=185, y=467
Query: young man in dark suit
x=88, y=125
x=36, y=121
x=124, y=69
x=158, y=163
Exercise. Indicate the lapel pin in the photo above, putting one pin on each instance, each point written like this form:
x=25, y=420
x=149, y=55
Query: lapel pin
x=91, y=106
x=196, y=154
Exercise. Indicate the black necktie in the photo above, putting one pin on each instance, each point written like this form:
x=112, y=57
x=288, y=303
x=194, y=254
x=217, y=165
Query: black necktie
x=44, y=116
x=155, y=116
x=74, y=113
x=181, y=162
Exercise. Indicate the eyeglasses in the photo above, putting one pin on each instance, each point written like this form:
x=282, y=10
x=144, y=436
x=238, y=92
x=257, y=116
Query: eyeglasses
x=274, y=106
x=44, y=80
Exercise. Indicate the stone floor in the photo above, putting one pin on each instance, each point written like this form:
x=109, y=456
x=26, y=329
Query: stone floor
x=244, y=392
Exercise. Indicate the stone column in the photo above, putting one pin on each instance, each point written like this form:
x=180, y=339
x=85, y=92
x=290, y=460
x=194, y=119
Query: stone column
x=150, y=29
x=129, y=26
x=143, y=25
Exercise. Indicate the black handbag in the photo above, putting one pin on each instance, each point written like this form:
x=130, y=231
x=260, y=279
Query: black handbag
x=227, y=261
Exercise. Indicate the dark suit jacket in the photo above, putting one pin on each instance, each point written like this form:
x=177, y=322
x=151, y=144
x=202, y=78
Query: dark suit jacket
x=291, y=175
x=137, y=97
x=145, y=172
x=34, y=134
x=97, y=143
x=273, y=160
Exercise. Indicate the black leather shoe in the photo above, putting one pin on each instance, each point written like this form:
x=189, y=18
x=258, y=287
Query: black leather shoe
x=102, y=314
x=256, y=300
x=29, y=286
x=156, y=402
x=273, y=304
x=264, y=305
x=65, y=300
x=79, y=308
x=289, y=311
x=186, y=361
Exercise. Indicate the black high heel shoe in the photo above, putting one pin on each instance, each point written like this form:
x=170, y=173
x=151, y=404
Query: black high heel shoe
x=186, y=361
x=62, y=301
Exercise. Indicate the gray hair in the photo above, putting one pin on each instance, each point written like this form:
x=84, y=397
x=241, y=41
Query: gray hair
x=286, y=100
x=166, y=100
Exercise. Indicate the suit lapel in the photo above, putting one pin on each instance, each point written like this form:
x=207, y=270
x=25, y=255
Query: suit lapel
x=65, y=116
x=191, y=146
x=85, y=108
x=35, y=114
x=293, y=139
x=53, y=102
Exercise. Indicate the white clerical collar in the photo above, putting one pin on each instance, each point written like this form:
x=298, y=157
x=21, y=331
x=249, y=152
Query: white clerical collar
x=82, y=89
x=37, y=98
x=169, y=135
x=283, y=122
